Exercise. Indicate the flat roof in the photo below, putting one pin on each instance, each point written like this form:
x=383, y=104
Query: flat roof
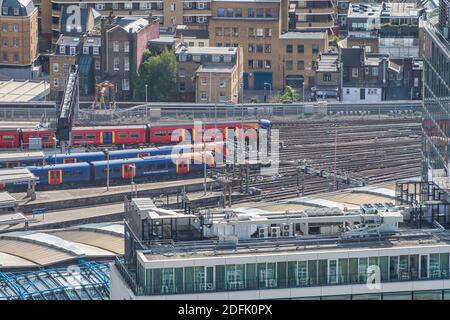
x=364, y=10
x=401, y=9
x=216, y=68
x=23, y=91
x=207, y=50
x=328, y=62
x=303, y=35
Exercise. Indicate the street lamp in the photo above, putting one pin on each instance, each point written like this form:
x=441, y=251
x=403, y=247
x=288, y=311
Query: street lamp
x=146, y=93
x=107, y=169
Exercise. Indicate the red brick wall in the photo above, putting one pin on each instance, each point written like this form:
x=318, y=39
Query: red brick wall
x=142, y=38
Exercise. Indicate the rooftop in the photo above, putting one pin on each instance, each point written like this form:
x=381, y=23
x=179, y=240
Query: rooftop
x=364, y=10
x=207, y=50
x=23, y=91
x=26, y=7
x=68, y=41
x=303, y=35
x=215, y=68
x=133, y=23
x=328, y=62
x=400, y=10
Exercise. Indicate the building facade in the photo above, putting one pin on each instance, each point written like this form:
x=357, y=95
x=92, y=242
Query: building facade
x=313, y=14
x=19, y=38
x=436, y=117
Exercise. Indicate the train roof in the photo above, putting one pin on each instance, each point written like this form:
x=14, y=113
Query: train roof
x=142, y=126
x=62, y=166
x=138, y=160
x=74, y=155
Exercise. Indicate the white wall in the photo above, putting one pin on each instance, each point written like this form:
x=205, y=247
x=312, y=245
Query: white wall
x=351, y=94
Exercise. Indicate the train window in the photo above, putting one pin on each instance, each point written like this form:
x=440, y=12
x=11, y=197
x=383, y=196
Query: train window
x=160, y=133
x=116, y=170
x=134, y=134
x=8, y=138
x=90, y=136
x=122, y=135
x=78, y=136
x=161, y=166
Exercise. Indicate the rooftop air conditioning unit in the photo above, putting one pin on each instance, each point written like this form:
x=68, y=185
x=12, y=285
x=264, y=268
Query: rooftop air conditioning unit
x=263, y=233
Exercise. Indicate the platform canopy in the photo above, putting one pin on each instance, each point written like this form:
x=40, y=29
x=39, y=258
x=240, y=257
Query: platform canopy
x=16, y=175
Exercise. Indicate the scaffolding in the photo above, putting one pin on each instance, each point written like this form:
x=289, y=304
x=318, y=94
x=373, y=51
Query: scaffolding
x=86, y=281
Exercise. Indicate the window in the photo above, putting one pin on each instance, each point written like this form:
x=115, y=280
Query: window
x=97, y=65
x=128, y=5
x=268, y=48
x=227, y=58
x=267, y=64
x=182, y=87
x=146, y=5
x=203, y=95
x=5, y=42
x=269, y=12
x=315, y=48
x=55, y=82
x=250, y=64
x=16, y=57
x=115, y=6
x=181, y=73
x=362, y=94
x=300, y=48
x=375, y=71
x=289, y=64
x=116, y=46
x=201, y=5
x=372, y=91
x=227, y=31
x=259, y=32
x=125, y=84
x=85, y=50
x=65, y=68
x=5, y=11
x=416, y=81
x=216, y=58
x=126, y=46
x=355, y=72
x=5, y=27
x=16, y=11
x=238, y=12
x=16, y=42
x=72, y=51
x=96, y=50
x=222, y=83
x=259, y=48
x=116, y=64
x=230, y=12
x=203, y=81
x=326, y=77
x=300, y=65
x=268, y=32
x=15, y=27
x=221, y=12
x=251, y=32
x=259, y=64
x=62, y=50
x=250, y=13
x=235, y=32
x=251, y=48
x=202, y=19
x=196, y=58
x=289, y=48
x=5, y=56
x=219, y=32
x=99, y=6
x=201, y=44
x=260, y=12
x=55, y=68
x=126, y=64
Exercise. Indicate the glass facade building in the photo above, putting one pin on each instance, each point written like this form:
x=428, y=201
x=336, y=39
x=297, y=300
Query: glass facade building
x=192, y=278
x=436, y=111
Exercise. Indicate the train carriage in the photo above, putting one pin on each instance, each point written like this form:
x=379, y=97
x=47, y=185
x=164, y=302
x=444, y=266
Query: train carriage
x=62, y=173
x=47, y=137
x=9, y=138
x=75, y=157
x=126, y=135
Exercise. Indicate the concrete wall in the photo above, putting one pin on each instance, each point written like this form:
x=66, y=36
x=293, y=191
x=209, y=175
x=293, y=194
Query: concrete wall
x=352, y=94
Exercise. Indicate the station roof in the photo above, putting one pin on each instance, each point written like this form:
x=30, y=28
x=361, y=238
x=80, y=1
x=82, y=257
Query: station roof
x=17, y=156
x=23, y=91
x=45, y=248
x=16, y=175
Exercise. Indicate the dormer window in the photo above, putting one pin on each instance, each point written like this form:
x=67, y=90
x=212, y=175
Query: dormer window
x=5, y=11
x=16, y=11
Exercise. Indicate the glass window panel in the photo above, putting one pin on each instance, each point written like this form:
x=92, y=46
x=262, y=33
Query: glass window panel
x=199, y=279
x=292, y=274
x=281, y=275
x=414, y=266
x=302, y=273
x=427, y=295
x=210, y=278
x=148, y=281
x=362, y=270
x=323, y=268
x=446, y=294
x=353, y=270
x=393, y=268
x=312, y=272
x=157, y=277
x=368, y=296
x=397, y=296
x=435, y=270
x=423, y=267
x=332, y=272
x=343, y=271
x=384, y=268
x=220, y=277
x=341, y=297
x=403, y=268
x=179, y=280
x=252, y=280
x=189, y=279
x=444, y=265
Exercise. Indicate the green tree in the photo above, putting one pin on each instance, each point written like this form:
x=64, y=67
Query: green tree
x=159, y=72
x=289, y=94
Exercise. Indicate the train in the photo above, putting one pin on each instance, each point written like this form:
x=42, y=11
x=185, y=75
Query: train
x=124, y=135
x=120, y=170
x=38, y=158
